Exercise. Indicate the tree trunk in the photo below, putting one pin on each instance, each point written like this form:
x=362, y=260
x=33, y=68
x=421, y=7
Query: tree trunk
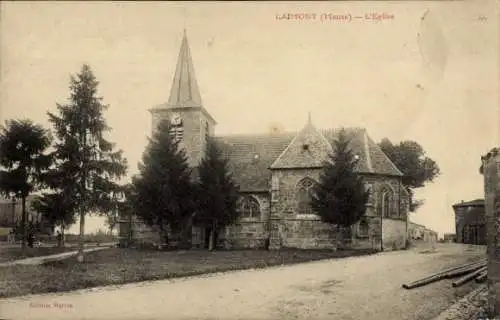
x=81, y=239
x=211, y=245
x=23, y=225
x=130, y=235
x=163, y=234
x=62, y=235
x=339, y=238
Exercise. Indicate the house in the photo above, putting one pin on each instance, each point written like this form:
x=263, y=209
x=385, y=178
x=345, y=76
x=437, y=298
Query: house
x=11, y=214
x=276, y=172
x=470, y=222
x=420, y=232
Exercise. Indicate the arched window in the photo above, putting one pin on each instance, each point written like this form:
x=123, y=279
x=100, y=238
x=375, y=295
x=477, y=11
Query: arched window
x=304, y=196
x=386, y=201
x=369, y=189
x=250, y=208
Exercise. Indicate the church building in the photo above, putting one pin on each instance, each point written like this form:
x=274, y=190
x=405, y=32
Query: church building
x=276, y=172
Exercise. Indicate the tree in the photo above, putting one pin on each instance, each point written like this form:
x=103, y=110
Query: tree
x=89, y=162
x=23, y=160
x=57, y=208
x=217, y=193
x=340, y=197
x=112, y=220
x=163, y=192
x=417, y=169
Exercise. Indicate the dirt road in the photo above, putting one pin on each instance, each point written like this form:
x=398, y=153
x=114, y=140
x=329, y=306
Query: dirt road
x=358, y=288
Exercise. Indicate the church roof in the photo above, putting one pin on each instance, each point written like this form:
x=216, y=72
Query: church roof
x=252, y=155
x=184, y=91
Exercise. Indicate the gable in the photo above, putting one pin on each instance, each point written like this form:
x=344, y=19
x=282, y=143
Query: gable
x=309, y=149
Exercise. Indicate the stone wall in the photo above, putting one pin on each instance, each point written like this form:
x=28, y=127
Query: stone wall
x=291, y=229
x=371, y=239
x=248, y=232
x=281, y=224
x=394, y=234
x=288, y=228
x=491, y=170
x=245, y=234
x=419, y=232
x=399, y=207
x=141, y=233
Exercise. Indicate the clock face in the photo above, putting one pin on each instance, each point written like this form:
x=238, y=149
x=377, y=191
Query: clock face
x=175, y=119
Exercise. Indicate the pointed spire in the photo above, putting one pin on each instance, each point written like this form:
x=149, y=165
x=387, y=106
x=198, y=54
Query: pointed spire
x=309, y=118
x=184, y=91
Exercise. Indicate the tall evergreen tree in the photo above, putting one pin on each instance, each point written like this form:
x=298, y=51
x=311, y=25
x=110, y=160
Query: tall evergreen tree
x=88, y=162
x=340, y=197
x=22, y=161
x=217, y=193
x=163, y=192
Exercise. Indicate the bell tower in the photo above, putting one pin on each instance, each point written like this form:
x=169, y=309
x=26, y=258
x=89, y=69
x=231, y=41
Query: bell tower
x=191, y=122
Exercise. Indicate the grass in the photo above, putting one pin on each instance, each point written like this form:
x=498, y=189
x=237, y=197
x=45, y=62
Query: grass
x=9, y=254
x=118, y=266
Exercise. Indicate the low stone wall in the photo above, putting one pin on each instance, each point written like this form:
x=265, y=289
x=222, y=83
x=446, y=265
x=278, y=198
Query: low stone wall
x=244, y=235
x=141, y=233
x=307, y=234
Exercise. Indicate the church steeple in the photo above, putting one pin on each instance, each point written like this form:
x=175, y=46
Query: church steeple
x=184, y=91
x=191, y=124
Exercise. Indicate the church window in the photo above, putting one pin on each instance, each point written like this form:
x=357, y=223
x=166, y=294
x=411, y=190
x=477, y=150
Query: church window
x=275, y=183
x=177, y=133
x=250, y=208
x=369, y=188
x=386, y=204
x=304, y=196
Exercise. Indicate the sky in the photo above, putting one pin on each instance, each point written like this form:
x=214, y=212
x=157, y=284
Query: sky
x=428, y=74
